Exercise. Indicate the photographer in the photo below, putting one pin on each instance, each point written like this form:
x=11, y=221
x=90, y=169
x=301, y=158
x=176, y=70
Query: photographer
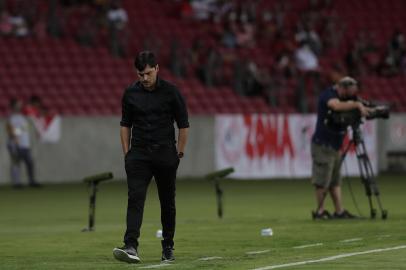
x=326, y=144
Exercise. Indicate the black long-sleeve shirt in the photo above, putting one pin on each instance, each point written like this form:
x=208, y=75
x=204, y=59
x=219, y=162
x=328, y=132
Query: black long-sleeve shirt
x=151, y=114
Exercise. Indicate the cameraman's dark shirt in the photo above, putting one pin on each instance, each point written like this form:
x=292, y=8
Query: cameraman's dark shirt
x=331, y=135
x=151, y=114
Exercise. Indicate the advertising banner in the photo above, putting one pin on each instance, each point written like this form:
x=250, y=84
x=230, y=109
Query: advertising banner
x=277, y=145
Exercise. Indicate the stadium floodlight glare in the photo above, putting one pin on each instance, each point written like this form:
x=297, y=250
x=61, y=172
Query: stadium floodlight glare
x=216, y=176
x=92, y=182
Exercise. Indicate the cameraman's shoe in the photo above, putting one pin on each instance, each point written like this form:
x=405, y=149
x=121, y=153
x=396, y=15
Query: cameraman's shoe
x=323, y=215
x=167, y=253
x=344, y=215
x=127, y=254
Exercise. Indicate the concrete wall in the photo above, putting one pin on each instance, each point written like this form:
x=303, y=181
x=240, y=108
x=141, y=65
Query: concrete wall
x=394, y=143
x=92, y=145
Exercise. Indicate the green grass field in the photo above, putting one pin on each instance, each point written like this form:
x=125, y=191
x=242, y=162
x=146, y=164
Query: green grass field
x=41, y=229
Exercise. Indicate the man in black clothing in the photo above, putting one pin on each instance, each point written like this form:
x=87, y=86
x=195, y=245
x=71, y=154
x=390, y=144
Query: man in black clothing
x=150, y=106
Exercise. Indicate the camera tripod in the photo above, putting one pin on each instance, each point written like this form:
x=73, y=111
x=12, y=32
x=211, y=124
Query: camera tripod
x=365, y=169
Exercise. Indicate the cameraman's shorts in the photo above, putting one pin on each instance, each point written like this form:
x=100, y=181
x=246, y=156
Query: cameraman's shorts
x=326, y=166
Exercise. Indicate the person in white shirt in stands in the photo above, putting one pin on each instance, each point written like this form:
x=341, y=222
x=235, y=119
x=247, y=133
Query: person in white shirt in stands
x=307, y=64
x=117, y=19
x=306, y=59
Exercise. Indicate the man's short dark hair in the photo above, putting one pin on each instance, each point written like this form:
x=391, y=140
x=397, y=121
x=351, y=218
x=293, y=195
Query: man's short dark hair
x=143, y=59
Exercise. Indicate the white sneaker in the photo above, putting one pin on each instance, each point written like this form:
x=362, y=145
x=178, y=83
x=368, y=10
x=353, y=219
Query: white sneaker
x=126, y=254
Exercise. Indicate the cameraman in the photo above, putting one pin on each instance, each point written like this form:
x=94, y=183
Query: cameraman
x=326, y=144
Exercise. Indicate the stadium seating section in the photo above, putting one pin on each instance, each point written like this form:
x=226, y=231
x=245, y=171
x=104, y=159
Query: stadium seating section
x=77, y=80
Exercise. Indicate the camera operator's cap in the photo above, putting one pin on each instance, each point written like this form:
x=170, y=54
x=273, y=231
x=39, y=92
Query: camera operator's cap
x=347, y=82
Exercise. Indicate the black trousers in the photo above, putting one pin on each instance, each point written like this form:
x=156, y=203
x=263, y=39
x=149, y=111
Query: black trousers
x=141, y=164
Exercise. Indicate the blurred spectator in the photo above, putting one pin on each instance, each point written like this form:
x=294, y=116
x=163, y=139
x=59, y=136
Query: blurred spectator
x=397, y=42
x=178, y=60
x=203, y=9
x=54, y=23
x=332, y=32
x=371, y=54
x=271, y=25
x=117, y=22
x=263, y=84
x=241, y=75
x=306, y=33
x=45, y=122
x=395, y=55
x=6, y=28
x=245, y=33
x=251, y=84
x=306, y=59
x=87, y=28
x=19, y=145
x=229, y=36
x=117, y=15
x=363, y=57
x=267, y=26
x=33, y=107
x=210, y=71
x=283, y=48
x=249, y=80
x=34, y=111
x=221, y=8
x=308, y=67
x=19, y=25
x=285, y=65
x=186, y=10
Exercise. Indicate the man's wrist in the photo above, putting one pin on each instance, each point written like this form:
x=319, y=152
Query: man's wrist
x=180, y=154
x=359, y=105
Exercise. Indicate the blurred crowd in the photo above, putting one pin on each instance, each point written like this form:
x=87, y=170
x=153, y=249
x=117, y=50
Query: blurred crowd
x=89, y=22
x=303, y=47
x=297, y=45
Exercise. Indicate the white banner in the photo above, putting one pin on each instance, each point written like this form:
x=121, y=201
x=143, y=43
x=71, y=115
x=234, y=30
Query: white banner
x=48, y=128
x=267, y=146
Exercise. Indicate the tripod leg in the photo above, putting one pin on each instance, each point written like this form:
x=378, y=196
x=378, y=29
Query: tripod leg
x=369, y=181
x=363, y=168
x=373, y=185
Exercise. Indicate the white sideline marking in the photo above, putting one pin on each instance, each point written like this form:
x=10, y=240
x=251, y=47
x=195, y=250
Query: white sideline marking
x=155, y=266
x=210, y=258
x=312, y=245
x=257, y=252
x=384, y=236
x=332, y=258
x=350, y=240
